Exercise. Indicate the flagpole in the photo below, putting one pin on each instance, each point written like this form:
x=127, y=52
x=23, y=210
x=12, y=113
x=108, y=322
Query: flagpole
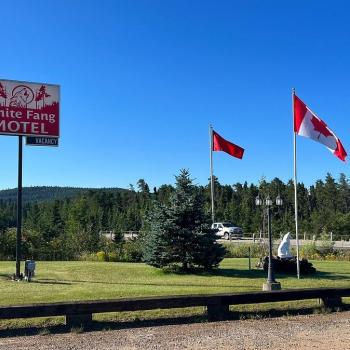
x=295, y=189
x=211, y=172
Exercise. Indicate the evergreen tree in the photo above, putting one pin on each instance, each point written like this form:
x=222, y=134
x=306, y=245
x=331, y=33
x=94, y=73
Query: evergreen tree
x=178, y=234
x=344, y=193
x=157, y=236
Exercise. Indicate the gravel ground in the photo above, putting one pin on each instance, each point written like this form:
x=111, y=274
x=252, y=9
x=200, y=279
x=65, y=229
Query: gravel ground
x=321, y=332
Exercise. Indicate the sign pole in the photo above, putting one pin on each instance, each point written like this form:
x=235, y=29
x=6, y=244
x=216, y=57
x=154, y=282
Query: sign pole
x=19, y=208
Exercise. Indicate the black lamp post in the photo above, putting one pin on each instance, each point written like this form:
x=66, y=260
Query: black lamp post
x=271, y=283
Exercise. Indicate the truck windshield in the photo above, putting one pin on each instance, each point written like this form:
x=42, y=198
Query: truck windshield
x=227, y=224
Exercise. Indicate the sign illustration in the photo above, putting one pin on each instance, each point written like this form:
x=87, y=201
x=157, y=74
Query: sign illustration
x=30, y=109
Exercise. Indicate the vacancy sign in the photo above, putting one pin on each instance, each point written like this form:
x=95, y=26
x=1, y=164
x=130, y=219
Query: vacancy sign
x=30, y=109
x=41, y=141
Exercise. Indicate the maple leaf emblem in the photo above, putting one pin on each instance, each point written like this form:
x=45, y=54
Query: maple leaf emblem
x=321, y=127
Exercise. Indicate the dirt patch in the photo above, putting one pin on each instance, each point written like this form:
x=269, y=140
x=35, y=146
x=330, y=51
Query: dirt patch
x=321, y=332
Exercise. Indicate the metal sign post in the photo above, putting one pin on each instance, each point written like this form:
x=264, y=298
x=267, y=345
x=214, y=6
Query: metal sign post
x=19, y=208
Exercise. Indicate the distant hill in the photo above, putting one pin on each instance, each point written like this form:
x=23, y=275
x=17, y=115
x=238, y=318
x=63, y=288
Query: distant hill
x=48, y=193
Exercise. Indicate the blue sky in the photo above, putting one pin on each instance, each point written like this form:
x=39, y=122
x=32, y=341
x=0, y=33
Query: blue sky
x=142, y=80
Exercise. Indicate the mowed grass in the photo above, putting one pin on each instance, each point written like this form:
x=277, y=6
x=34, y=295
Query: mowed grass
x=68, y=281
x=80, y=280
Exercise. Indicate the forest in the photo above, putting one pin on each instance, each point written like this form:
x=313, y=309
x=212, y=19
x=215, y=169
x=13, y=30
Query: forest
x=66, y=224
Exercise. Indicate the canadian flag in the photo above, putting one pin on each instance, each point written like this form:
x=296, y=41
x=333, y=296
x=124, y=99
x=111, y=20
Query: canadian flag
x=307, y=124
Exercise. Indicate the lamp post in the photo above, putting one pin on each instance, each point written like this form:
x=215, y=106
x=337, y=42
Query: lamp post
x=271, y=283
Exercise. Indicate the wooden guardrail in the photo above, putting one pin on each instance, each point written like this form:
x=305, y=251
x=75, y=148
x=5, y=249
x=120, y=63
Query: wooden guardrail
x=80, y=312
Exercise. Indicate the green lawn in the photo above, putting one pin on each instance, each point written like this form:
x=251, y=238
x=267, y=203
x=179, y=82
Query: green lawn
x=64, y=281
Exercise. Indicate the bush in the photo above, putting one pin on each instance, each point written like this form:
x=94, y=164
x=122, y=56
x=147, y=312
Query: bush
x=344, y=254
x=242, y=250
x=325, y=251
x=113, y=256
x=88, y=257
x=131, y=251
x=326, y=248
x=102, y=256
x=330, y=257
x=309, y=251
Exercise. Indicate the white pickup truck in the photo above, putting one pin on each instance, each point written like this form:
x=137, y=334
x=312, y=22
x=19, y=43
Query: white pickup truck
x=227, y=230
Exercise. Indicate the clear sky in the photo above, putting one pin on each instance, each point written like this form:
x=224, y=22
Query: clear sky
x=141, y=81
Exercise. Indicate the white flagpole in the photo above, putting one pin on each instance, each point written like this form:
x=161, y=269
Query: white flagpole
x=295, y=189
x=211, y=171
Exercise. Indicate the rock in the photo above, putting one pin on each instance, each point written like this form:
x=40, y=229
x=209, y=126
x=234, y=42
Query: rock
x=288, y=266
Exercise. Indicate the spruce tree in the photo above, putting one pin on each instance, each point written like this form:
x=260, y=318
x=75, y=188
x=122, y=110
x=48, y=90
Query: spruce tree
x=178, y=234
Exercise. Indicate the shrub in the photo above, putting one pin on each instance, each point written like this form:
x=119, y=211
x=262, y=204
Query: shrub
x=331, y=257
x=343, y=255
x=102, y=256
x=242, y=250
x=131, y=251
x=315, y=256
x=325, y=251
x=113, y=256
x=326, y=248
x=88, y=257
x=309, y=250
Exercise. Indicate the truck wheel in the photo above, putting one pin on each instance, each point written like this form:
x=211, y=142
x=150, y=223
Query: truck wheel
x=226, y=236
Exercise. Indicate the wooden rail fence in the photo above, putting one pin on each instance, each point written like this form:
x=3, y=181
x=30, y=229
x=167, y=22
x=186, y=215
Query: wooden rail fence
x=80, y=312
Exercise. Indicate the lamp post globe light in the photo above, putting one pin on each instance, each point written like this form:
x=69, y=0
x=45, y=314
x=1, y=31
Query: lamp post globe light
x=271, y=283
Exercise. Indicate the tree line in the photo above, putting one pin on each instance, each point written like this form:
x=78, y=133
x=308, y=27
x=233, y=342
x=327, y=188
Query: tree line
x=66, y=228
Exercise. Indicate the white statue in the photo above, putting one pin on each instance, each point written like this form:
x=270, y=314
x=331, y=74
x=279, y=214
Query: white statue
x=284, y=247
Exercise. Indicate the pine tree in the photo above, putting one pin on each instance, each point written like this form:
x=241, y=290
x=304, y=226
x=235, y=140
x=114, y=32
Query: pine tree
x=343, y=193
x=178, y=234
x=157, y=237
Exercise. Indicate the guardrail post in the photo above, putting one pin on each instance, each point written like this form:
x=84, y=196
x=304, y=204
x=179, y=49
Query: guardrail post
x=77, y=320
x=332, y=302
x=217, y=312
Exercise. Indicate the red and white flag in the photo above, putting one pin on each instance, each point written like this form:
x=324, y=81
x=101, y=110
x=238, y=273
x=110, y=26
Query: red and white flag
x=220, y=144
x=307, y=124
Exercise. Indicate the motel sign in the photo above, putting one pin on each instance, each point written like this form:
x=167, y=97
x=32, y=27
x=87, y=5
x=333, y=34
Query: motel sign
x=30, y=109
